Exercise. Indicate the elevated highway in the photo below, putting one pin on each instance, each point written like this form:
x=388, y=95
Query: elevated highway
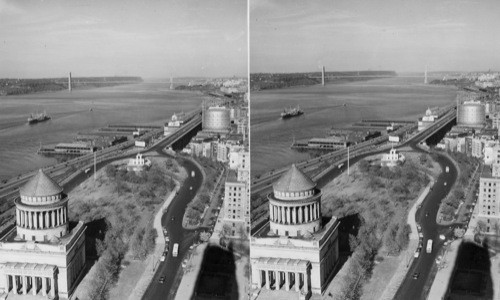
x=66, y=171
x=262, y=184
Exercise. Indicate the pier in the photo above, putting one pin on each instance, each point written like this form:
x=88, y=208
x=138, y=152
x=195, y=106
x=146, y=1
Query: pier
x=262, y=183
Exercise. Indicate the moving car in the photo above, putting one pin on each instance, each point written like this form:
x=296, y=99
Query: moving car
x=415, y=275
x=175, y=251
x=429, y=246
x=162, y=279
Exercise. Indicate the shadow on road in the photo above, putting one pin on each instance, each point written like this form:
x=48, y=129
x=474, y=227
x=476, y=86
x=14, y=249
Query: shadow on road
x=471, y=276
x=217, y=277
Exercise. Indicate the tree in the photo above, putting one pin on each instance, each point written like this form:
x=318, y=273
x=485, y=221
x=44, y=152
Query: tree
x=204, y=236
x=364, y=165
x=111, y=171
x=423, y=158
x=243, y=232
x=480, y=227
x=226, y=231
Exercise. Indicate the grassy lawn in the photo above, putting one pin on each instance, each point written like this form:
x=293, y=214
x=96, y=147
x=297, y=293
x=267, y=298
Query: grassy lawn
x=382, y=198
x=118, y=208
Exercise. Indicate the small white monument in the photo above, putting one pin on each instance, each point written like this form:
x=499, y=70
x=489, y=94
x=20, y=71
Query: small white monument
x=392, y=158
x=138, y=163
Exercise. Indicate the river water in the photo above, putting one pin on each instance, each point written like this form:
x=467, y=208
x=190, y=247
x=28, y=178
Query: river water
x=401, y=98
x=144, y=103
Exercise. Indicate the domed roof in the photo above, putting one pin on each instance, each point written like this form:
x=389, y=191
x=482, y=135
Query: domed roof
x=294, y=180
x=40, y=185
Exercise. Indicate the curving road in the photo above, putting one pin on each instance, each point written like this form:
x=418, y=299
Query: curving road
x=426, y=216
x=172, y=220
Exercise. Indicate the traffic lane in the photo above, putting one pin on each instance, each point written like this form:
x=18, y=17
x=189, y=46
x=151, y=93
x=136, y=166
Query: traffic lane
x=426, y=216
x=172, y=220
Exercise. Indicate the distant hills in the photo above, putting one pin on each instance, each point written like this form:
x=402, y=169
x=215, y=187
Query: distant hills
x=265, y=81
x=10, y=86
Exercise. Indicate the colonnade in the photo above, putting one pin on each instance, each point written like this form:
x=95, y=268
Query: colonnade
x=22, y=284
x=294, y=214
x=275, y=279
x=41, y=219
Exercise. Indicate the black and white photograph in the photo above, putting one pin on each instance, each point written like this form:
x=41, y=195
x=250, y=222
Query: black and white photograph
x=124, y=149
x=374, y=149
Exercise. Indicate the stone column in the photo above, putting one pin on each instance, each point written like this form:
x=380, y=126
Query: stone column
x=271, y=212
x=294, y=214
x=29, y=219
x=306, y=214
x=259, y=278
x=25, y=285
x=14, y=283
x=268, y=279
x=34, y=286
x=289, y=215
x=311, y=216
x=40, y=217
x=47, y=225
x=44, y=286
x=306, y=282
x=52, y=287
x=297, y=282
x=277, y=283
x=287, y=281
x=61, y=216
x=283, y=217
x=18, y=218
x=53, y=218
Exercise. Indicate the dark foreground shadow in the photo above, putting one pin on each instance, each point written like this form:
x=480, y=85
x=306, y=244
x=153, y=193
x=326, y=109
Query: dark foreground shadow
x=217, y=277
x=471, y=277
x=95, y=230
x=349, y=225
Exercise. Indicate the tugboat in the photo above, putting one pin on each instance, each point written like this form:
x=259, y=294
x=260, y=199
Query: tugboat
x=291, y=112
x=35, y=118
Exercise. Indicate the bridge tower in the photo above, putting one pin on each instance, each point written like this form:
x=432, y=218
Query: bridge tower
x=323, y=75
x=69, y=82
x=425, y=75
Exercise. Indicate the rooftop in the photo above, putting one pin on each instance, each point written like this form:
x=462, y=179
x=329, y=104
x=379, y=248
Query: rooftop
x=265, y=231
x=74, y=227
x=294, y=180
x=40, y=185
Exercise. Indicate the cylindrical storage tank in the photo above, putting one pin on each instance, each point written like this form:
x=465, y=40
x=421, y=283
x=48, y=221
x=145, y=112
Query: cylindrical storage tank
x=471, y=114
x=217, y=119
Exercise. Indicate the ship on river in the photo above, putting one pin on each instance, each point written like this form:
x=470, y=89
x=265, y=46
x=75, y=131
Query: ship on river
x=38, y=117
x=291, y=112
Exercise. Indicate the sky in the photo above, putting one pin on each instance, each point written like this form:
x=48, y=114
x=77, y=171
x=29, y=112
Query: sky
x=346, y=35
x=150, y=38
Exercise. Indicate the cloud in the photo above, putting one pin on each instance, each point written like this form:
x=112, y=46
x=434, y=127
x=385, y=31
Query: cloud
x=9, y=8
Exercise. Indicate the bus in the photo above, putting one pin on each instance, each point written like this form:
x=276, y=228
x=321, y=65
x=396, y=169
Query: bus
x=175, y=251
x=429, y=246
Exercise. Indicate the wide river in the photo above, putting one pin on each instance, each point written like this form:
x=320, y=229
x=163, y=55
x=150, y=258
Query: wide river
x=144, y=103
x=399, y=98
